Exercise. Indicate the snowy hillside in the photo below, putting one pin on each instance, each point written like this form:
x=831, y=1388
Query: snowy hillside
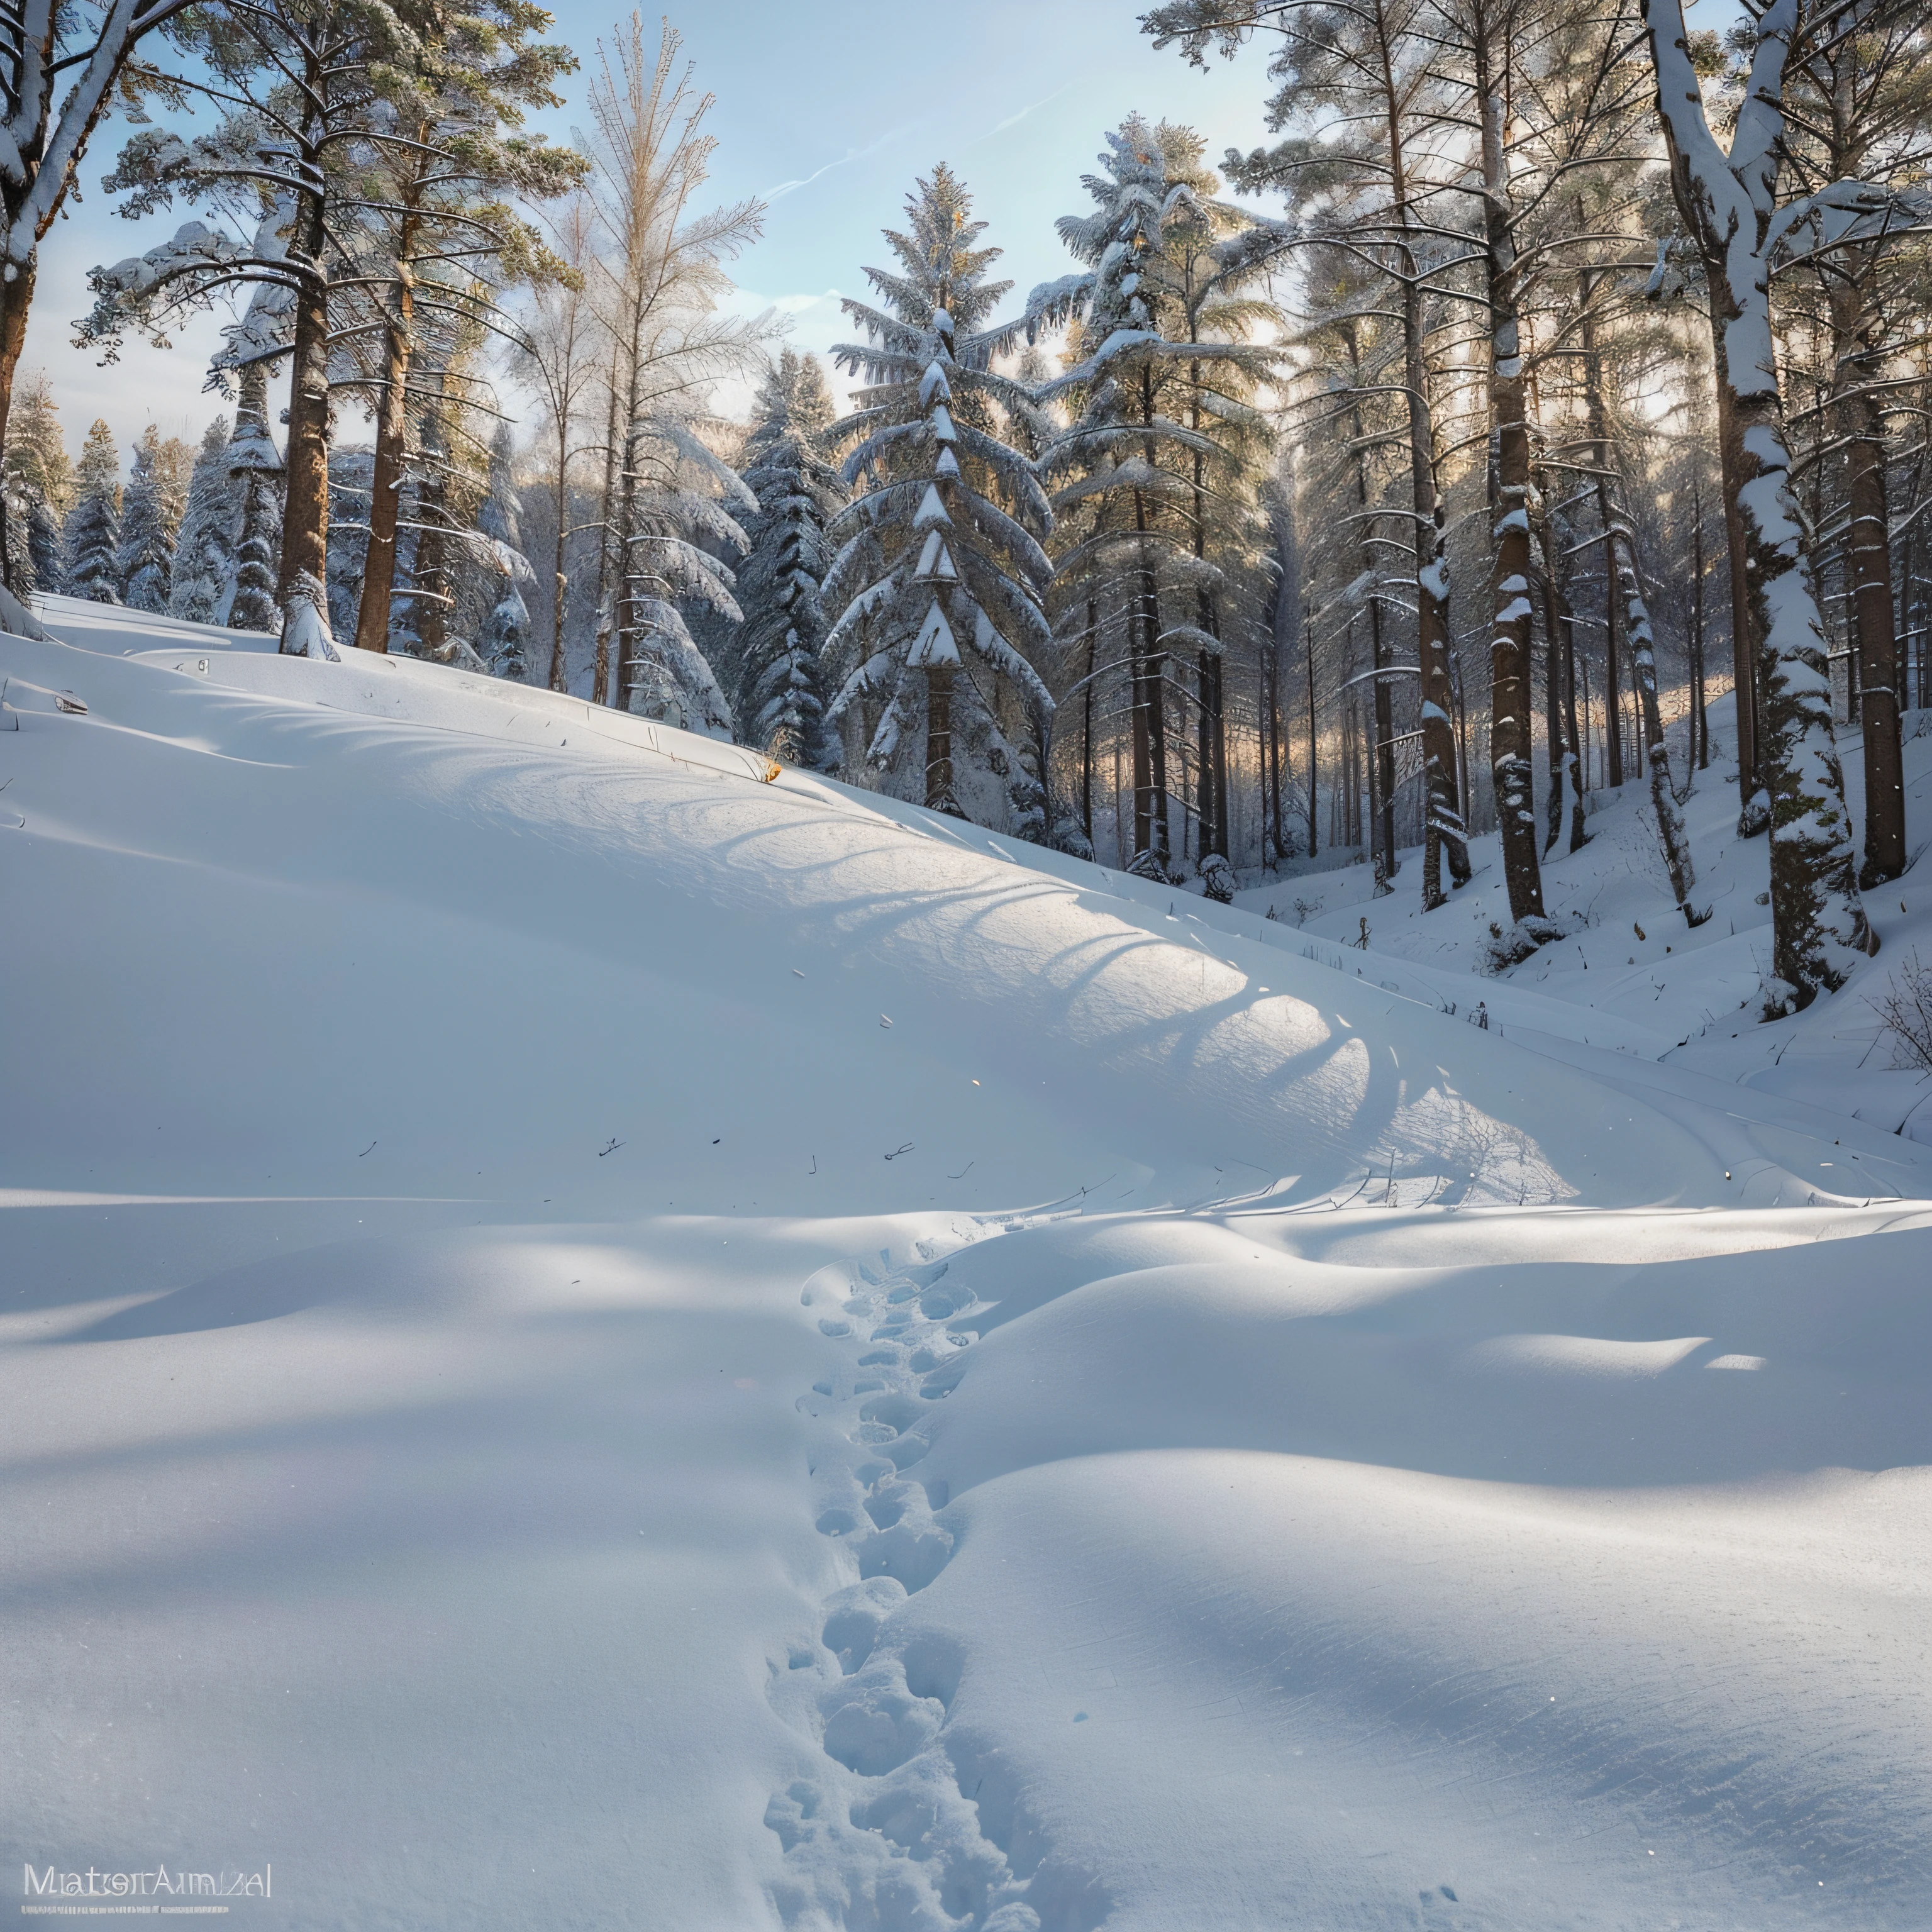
x=595, y=1334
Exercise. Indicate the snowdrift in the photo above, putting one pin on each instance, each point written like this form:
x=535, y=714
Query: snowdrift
x=595, y=1331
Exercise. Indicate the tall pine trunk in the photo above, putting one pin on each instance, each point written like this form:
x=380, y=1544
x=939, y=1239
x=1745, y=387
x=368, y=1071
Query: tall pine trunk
x=1670, y=833
x=1510, y=737
x=305, y=507
x=1443, y=830
x=386, y=481
x=1868, y=565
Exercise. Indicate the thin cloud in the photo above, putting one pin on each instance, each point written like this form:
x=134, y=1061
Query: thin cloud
x=1014, y=120
x=850, y=155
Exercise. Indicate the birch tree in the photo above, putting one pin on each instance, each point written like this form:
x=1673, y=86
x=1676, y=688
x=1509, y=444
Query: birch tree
x=1728, y=197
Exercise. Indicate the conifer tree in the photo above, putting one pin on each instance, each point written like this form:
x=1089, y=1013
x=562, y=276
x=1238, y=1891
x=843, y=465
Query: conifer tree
x=205, y=551
x=1156, y=477
x=150, y=514
x=91, y=538
x=503, y=642
x=39, y=480
x=255, y=469
x=781, y=700
x=941, y=566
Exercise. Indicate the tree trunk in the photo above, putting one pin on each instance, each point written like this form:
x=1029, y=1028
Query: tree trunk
x=1443, y=827
x=1700, y=722
x=305, y=508
x=1728, y=202
x=1868, y=566
x=609, y=586
x=429, y=581
x=1578, y=741
x=1308, y=655
x=1558, y=627
x=1670, y=833
x=560, y=578
x=1087, y=724
x=386, y=481
x=1509, y=740
x=16, y=297
x=939, y=741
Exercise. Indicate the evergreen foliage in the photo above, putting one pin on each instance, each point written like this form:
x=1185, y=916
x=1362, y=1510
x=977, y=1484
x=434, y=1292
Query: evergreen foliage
x=781, y=700
x=39, y=480
x=1160, y=541
x=941, y=567
x=204, y=549
x=91, y=539
x=151, y=513
x=256, y=470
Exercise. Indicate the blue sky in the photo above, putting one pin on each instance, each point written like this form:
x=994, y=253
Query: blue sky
x=827, y=110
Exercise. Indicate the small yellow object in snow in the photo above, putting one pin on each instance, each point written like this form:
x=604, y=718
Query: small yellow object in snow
x=1638, y=930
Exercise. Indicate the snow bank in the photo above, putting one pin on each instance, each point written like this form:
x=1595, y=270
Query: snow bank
x=585, y=1333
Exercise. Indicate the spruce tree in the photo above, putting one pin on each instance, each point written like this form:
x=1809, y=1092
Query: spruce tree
x=781, y=701
x=941, y=566
x=255, y=470
x=91, y=541
x=150, y=514
x=205, y=551
x=39, y=480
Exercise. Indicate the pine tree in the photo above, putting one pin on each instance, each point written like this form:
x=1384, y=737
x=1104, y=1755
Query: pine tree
x=1156, y=477
x=150, y=515
x=941, y=564
x=39, y=480
x=256, y=470
x=92, y=538
x=503, y=642
x=205, y=551
x=781, y=701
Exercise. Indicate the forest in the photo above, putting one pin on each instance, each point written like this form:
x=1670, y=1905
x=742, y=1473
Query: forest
x=1558, y=372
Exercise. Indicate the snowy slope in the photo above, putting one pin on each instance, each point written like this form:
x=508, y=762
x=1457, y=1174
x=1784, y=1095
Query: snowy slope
x=590, y=1339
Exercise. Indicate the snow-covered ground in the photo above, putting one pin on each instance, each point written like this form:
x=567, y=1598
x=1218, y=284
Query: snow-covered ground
x=588, y=1340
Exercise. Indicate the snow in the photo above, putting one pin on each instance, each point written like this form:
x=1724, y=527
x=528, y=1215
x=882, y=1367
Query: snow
x=585, y=1323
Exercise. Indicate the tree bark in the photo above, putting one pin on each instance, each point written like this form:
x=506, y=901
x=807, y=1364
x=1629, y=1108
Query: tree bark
x=1670, y=833
x=1728, y=201
x=305, y=506
x=1443, y=827
x=385, y=480
x=939, y=741
x=1509, y=740
x=16, y=298
x=1868, y=565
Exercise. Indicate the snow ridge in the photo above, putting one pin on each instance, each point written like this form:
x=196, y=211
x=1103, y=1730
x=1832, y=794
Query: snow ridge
x=907, y=1826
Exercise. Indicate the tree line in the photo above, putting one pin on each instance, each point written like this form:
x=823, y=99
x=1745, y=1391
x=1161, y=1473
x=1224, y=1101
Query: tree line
x=1555, y=369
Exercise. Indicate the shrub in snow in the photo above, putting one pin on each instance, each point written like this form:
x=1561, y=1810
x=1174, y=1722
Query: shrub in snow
x=1217, y=879
x=1906, y=1007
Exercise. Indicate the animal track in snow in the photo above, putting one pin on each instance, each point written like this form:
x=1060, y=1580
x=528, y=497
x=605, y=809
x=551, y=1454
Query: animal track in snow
x=907, y=1827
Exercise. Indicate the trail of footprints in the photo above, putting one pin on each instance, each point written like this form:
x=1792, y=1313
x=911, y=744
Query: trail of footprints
x=909, y=1826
